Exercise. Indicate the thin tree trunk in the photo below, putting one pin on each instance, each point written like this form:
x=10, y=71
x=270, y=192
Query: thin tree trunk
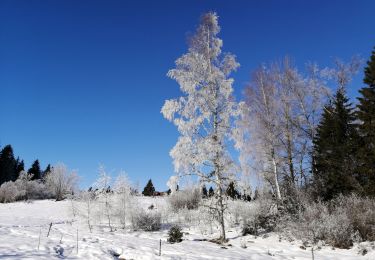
x=221, y=212
x=108, y=213
x=278, y=194
x=88, y=215
x=290, y=158
x=289, y=148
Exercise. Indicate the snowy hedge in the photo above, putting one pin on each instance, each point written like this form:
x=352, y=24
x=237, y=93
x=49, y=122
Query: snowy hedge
x=189, y=199
x=57, y=184
x=146, y=220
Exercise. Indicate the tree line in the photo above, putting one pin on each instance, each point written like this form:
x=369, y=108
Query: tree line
x=231, y=191
x=10, y=167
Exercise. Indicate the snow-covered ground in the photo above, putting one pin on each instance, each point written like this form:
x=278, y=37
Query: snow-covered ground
x=22, y=223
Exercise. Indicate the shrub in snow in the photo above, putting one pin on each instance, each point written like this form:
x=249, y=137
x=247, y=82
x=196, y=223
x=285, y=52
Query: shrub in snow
x=37, y=190
x=188, y=216
x=361, y=213
x=24, y=188
x=61, y=182
x=261, y=224
x=9, y=192
x=340, y=232
x=292, y=202
x=263, y=219
x=175, y=235
x=340, y=222
x=249, y=228
x=146, y=220
x=238, y=209
x=317, y=223
x=189, y=199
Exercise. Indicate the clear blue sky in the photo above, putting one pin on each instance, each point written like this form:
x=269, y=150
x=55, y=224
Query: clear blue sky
x=82, y=82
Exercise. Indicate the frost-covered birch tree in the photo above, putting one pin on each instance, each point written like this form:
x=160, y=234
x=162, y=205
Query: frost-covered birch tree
x=203, y=115
x=277, y=124
x=88, y=198
x=102, y=184
x=258, y=130
x=123, y=198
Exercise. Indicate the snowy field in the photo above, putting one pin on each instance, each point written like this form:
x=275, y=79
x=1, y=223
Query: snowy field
x=22, y=223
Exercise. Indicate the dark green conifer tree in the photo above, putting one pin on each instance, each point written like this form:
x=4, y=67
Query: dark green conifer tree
x=47, y=170
x=149, y=189
x=7, y=165
x=204, y=191
x=20, y=166
x=211, y=192
x=334, y=149
x=366, y=128
x=231, y=191
x=35, y=171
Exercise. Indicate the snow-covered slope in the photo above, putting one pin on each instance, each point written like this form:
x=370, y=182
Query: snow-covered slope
x=21, y=225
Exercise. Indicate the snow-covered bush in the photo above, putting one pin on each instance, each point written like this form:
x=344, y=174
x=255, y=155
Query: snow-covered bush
x=61, y=182
x=340, y=222
x=146, y=220
x=37, y=190
x=187, y=216
x=310, y=227
x=9, y=192
x=239, y=210
x=361, y=213
x=340, y=232
x=263, y=217
x=189, y=198
x=23, y=189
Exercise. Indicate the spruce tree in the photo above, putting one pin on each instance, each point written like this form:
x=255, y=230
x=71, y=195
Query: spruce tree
x=149, y=189
x=20, y=166
x=334, y=147
x=204, y=191
x=231, y=191
x=35, y=171
x=47, y=170
x=7, y=165
x=366, y=128
x=211, y=192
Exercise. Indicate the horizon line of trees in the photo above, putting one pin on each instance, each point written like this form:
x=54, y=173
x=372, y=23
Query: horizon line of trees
x=11, y=167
